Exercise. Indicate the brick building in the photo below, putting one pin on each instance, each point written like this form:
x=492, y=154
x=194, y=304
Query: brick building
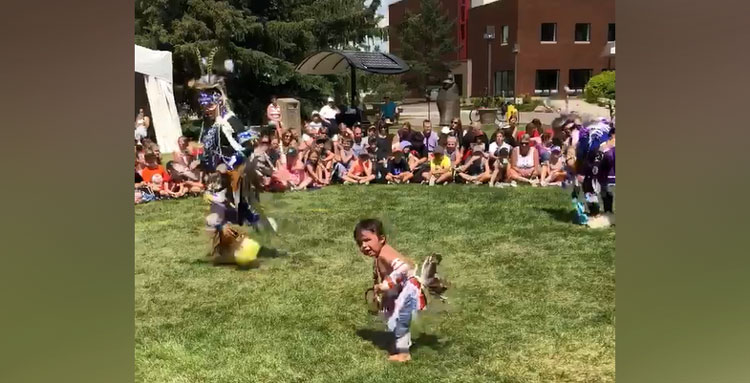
x=542, y=46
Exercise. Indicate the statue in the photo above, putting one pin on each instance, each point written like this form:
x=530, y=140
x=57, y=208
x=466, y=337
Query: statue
x=448, y=101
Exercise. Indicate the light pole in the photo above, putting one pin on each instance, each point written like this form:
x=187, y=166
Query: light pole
x=516, y=49
x=489, y=35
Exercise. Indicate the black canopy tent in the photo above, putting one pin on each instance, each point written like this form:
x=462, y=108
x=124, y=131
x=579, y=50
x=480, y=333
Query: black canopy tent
x=336, y=62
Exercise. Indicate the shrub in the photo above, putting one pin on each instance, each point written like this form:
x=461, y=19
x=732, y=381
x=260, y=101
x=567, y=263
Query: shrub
x=600, y=86
x=526, y=99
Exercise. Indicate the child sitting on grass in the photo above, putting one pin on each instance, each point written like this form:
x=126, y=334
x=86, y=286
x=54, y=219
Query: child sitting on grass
x=396, y=281
x=360, y=172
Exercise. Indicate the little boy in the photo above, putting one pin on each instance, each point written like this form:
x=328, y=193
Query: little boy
x=441, y=169
x=396, y=281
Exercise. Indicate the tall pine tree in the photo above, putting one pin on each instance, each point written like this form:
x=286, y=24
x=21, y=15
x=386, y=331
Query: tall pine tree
x=265, y=38
x=426, y=40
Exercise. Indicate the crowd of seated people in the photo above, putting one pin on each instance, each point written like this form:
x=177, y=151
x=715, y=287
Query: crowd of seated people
x=315, y=157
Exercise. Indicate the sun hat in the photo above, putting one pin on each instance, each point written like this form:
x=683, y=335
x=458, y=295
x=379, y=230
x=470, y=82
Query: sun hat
x=405, y=144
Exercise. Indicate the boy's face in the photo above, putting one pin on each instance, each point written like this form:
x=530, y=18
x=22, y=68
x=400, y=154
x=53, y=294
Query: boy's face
x=370, y=244
x=152, y=164
x=450, y=145
x=438, y=158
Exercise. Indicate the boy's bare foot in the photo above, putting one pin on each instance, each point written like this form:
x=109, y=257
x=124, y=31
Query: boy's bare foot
x=401, y=357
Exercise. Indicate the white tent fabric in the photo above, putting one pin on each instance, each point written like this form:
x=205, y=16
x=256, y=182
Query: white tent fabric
x=156, y=67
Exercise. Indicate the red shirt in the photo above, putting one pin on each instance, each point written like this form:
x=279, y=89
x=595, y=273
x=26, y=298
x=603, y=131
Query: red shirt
x=147, y=173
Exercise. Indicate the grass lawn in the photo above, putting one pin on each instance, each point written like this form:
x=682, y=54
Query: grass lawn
x=532, y=296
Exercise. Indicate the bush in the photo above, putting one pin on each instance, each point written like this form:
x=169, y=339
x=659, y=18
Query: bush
x=529, y=106
x=600, y=86
x=526, y=99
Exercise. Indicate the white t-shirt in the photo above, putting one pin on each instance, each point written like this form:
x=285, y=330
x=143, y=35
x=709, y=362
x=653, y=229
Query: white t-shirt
x=328, y=113
x=494, y=148
x=313, y=128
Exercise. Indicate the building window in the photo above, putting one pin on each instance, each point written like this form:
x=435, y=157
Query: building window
x=578, y=78
x=504, y=83
x=549, y=32
x=504, y=40
x=583, y=33
x=611, y=32
x=546, y=81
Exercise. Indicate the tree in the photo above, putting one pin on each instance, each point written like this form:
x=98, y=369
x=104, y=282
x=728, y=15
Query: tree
x=426, y=40
x=266, y=39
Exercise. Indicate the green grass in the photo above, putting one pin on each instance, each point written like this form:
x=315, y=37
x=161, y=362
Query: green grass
x=532, y=296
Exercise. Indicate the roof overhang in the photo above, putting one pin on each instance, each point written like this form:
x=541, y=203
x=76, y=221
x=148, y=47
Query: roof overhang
x=336, y=62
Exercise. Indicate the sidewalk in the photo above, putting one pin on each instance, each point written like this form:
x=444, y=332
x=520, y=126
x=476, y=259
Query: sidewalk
x=415, y=113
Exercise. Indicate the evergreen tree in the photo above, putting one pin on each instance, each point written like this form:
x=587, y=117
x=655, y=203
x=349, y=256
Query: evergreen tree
x=426, y=40
x=266, y=39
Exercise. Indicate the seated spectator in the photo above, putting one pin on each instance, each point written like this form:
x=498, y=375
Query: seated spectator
x=457, y=129
x=453, y=151
x=140, y=159
x=359, y=144
x=430, y=137
x=398, y=167
x=382, y=143
x=418, y=158
x=361, y=171
x=316, y=171
x=185, y=163
x=379, y=159
x=274, y=152
x=405, y=133
x=389, y=110
x=294, y=174
x=509, y=134
x=441, y=170
x=190, y=186
x=553, y=171
x=500, y=168
x=524, y=163
x=344, y=157
x=498, y=144
x=154, y=148
x=152, y=168
x=314, y=127
x=142, y=192
x=159, y=186
x=289, y=139
x=476, y=169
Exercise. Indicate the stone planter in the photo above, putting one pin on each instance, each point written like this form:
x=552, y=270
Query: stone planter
x=487, y=115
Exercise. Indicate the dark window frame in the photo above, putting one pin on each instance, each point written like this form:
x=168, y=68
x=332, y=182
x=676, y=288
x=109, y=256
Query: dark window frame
x=507, y=84
x=554, y=33
x=588, y=33
x=548, y=90
x=579, y=86
x=611, y=32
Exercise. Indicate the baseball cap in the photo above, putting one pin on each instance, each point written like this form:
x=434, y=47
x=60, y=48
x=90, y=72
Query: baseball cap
x=477, y=148
x=445, y=130
x=439, y=150
x=291, y=152
x=405, y=144
x=315, y=112
x=555, y=149
x=330, y=99
x=525, y=138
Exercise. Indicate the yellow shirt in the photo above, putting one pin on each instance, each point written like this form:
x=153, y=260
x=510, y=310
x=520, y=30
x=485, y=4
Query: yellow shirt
x=444, y=164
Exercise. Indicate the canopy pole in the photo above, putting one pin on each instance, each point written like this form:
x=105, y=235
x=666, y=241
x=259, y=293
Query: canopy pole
x=353, y=84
